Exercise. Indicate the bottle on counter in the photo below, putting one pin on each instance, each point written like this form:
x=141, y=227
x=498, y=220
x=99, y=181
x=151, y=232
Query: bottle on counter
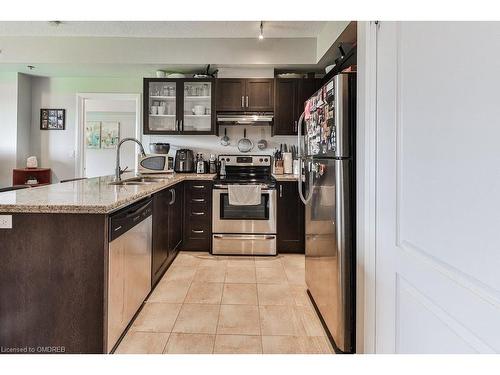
x=200, y=164
x=212, y=164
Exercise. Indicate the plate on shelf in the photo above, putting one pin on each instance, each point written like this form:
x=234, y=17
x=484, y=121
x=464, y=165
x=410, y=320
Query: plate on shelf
x=176, y=75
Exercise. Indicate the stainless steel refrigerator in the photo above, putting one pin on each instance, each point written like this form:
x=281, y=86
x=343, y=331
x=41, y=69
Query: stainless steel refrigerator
x=327, y=188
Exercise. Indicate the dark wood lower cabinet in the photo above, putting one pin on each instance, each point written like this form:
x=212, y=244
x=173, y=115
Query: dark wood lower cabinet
x=290, y=220
x=52, y=283
x=167, y=228
x=175, y=219
x=197, y=216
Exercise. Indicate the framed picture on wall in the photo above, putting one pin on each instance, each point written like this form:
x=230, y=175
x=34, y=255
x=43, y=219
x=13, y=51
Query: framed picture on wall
x=110, y=134
x=52, y=119
x=93, y=134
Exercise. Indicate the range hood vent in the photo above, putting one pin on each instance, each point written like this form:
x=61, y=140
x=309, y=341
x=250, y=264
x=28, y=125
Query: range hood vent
x=262, y=118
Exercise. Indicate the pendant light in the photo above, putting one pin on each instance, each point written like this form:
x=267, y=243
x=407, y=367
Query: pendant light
x=261, y=35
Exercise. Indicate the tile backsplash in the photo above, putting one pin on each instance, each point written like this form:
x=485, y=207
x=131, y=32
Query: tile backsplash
x=210, y=144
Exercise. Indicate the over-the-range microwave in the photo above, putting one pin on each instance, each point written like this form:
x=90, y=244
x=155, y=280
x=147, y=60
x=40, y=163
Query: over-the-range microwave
x=155, y=163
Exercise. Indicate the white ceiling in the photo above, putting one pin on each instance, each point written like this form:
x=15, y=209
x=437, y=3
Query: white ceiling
x=165, y=29
x=130, y=48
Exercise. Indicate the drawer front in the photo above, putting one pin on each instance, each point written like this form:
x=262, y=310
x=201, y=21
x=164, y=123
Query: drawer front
x=200, y=187
x=255, y=244
x=198, y=212
x=198, y=228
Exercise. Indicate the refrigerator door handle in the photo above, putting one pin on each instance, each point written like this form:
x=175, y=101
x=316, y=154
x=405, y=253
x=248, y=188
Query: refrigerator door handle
x=342, y=227
x=301, y=161
x=299, y=136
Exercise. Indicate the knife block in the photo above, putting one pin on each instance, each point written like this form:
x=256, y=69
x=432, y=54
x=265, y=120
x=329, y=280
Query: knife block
x=278, y=167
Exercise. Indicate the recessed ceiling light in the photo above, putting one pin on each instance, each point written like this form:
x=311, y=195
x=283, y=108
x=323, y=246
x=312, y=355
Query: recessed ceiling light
x=261, y=35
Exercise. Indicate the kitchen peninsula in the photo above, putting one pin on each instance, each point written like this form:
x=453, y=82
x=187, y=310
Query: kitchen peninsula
x=54, y=273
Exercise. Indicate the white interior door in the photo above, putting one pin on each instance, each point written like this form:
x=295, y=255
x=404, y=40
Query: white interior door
x=438, y=185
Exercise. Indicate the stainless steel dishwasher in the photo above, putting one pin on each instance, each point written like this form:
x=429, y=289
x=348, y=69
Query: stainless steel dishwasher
x=129, y=265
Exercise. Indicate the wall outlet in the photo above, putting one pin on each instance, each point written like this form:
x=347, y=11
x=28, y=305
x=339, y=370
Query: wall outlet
x=5, y=221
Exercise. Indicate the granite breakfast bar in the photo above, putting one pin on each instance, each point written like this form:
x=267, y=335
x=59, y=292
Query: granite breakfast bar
x=54, y=268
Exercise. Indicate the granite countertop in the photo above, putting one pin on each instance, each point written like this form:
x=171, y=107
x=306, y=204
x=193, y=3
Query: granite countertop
x=286, y=177
x=90, y=196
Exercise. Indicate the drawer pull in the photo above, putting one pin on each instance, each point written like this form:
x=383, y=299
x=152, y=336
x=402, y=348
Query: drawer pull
x=198, y=186
x=198, y=231
x=198, y=200
x=197, y=213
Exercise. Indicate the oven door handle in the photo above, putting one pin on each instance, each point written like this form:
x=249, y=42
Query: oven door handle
x=243, y=237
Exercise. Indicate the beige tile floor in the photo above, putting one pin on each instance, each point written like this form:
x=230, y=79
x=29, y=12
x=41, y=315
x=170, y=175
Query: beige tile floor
x=229, y=304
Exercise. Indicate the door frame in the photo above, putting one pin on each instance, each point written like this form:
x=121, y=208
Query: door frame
x=80, y=122
x=366, y=152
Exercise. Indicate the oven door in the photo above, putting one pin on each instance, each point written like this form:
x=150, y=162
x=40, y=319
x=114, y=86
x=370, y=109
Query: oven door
x=259, y=219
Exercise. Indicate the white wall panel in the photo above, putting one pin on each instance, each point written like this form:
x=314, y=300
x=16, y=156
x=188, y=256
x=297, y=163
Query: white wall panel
x=438, y=178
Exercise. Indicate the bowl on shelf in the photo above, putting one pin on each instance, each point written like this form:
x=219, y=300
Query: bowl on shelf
x=159, y=148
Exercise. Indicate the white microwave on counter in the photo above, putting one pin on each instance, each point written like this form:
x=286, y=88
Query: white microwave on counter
x=155, y=163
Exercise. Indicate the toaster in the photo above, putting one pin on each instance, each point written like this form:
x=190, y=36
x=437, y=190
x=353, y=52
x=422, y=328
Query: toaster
x=184, y=161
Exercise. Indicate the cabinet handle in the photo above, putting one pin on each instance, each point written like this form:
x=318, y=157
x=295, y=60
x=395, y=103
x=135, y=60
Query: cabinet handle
x=198, y=231
x=281, y=191
x=197, y=213
x=177, y=125
x=242, y=101
x=198, y=200
x=295, y=126
x=172, y=201
x=198, y=187
x=182, y=125
x=247, y=101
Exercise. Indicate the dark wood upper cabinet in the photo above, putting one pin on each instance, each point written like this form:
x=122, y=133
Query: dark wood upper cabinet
x=290, y=221
x=290, y=95
x=240, y=95
x=230, y=94
x=177, y=99
x=285, y=110
x=259, y=95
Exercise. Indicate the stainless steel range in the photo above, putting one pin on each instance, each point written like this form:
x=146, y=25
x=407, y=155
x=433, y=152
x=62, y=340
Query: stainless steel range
x=244, y=229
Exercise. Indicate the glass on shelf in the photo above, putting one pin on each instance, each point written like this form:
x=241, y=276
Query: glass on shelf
x=197, y=107
x=162, y=123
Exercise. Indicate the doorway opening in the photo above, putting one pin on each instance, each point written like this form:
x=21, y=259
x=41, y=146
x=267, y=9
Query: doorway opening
x=103, y=120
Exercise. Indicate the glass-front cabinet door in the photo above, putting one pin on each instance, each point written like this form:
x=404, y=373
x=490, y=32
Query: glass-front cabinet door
x=197, y=106
x=179, y=106
x=162, y=106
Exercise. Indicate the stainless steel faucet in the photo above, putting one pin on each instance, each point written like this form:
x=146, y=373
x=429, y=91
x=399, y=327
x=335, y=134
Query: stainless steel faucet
x=118, y=171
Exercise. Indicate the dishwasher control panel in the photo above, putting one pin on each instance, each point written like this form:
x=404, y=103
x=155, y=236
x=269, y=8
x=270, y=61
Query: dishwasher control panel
x=123, y=220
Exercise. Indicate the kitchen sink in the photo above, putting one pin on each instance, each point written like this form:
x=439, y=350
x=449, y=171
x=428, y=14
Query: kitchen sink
x=140, y=181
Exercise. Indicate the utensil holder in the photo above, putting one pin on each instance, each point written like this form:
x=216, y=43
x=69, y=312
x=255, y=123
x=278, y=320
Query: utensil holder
x=287, y=163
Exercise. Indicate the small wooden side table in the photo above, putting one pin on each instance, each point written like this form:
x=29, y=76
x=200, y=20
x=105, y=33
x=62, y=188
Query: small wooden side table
x=21, y=175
